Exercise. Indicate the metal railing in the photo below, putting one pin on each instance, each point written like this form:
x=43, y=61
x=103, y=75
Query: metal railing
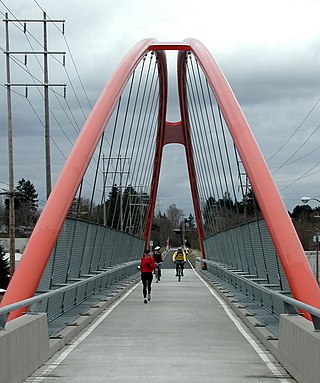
x=99, y=279
x=291, y=305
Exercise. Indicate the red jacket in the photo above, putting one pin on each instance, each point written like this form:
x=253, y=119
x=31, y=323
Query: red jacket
x=147, y=265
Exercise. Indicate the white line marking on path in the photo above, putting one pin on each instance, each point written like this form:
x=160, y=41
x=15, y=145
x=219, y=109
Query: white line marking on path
x=275, y=371
x=65, y=353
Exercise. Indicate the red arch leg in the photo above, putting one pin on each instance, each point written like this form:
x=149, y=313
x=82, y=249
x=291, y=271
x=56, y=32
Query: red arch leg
x=36, y=255
x=302, y=282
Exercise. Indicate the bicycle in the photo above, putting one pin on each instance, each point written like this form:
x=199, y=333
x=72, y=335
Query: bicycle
x=179, y=270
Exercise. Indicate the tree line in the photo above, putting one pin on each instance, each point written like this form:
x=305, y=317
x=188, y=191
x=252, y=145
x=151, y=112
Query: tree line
x=25, y=199
x=126, y=210
x=174, y=226
x=306, y=221
x=224, y=213
x=123, y=210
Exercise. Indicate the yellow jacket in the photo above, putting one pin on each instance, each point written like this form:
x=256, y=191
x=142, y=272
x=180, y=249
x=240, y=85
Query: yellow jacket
x=179, y=256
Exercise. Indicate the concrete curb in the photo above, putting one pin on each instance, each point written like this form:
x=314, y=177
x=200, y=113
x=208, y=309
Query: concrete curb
x=25, y=344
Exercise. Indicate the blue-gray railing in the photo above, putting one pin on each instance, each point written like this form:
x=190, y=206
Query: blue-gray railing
x=87, y=260
x=290, y=305
x=101, y=281
x=248, y=248
x=245, y=258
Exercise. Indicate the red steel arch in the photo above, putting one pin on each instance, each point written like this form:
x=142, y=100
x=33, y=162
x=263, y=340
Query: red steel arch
x=299, y=275
x=302, y=282
x=26, y=278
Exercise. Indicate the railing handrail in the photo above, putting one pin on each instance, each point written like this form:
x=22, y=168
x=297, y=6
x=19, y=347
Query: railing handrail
x=291, y=303
x=6, y=310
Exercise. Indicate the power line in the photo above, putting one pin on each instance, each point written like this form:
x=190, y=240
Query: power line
x=302, y=176
x=300, y=125
x=299, y=148
x=72, y=58
x=45, y=83
x=36, y=81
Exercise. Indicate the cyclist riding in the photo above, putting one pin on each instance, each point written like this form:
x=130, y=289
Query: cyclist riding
x=179, y=258
x=157, y=256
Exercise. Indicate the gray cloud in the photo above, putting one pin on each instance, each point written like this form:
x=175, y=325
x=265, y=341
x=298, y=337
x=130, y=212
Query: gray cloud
x=273, y=74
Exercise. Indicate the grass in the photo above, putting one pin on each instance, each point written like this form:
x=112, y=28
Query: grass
x=192, y=255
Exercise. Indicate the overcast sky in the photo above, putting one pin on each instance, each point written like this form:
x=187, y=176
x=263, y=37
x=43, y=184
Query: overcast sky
x=269, y=52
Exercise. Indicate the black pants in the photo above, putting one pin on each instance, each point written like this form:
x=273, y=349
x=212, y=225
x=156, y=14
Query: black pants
x=146, y=282
x=181, y=264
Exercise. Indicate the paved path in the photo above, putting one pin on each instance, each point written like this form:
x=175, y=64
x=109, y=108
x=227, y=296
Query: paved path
x=183, y=335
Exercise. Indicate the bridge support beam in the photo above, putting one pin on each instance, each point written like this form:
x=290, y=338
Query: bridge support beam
x=177, y=133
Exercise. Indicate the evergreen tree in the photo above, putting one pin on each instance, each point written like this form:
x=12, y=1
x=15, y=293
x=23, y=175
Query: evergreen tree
x=190, y=221
x=4, y=270
x=25, y=203
x=129, y=197
x=113, y=207
x=27, y=194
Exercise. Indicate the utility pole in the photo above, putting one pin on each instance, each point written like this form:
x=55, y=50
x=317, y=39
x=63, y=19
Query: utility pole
x=46, y=105
x=45, y=83
x=11, y=230
x=158, y=206
x=245, y=185
x=316, y=239
x=141, y=201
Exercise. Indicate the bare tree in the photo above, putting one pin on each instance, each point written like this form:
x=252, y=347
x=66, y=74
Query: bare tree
x=175, y=215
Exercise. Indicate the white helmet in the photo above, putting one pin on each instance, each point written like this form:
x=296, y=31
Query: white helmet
x=157, y=248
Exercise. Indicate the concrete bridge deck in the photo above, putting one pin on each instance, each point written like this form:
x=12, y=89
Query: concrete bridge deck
x=185, y=334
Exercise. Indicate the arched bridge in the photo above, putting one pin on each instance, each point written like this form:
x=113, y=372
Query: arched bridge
x=90, y=236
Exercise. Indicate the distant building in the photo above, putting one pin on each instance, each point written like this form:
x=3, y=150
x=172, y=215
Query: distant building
x=20, y=244
x=3, y=229
x=17, y=258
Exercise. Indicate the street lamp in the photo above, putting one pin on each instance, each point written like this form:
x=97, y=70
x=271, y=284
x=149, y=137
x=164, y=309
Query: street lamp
x=307, y=199
x=315, y=238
